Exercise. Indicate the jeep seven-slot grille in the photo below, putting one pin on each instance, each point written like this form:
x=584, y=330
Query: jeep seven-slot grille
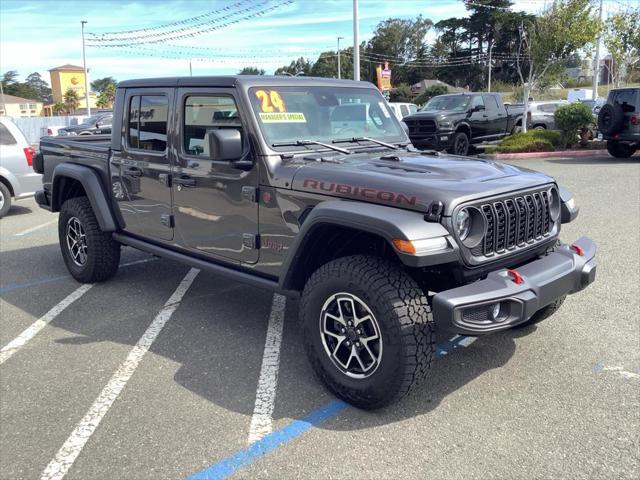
x=420, y=128
x=514, y=222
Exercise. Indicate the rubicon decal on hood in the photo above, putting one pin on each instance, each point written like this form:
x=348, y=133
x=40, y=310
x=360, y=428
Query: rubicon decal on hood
x=363, y=192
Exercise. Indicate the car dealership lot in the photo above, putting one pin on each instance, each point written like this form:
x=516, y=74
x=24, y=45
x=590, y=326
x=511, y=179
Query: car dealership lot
x=558, y=400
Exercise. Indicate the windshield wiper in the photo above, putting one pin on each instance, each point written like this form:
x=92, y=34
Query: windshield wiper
x=304, y=143
x=365, y=139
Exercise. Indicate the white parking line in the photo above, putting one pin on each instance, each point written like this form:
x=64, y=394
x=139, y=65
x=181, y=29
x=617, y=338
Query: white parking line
x=37, y=227
x=66, y=456
x=20, y=341
x=261, y=421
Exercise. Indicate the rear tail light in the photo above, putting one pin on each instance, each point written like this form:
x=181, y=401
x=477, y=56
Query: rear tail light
x=49, y=132
x=634, y=120
x=29, y=152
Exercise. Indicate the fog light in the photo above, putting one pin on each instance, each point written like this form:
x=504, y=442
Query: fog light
x=495, y=311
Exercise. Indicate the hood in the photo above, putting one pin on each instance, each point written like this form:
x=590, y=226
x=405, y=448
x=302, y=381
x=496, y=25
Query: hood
x=413, y=180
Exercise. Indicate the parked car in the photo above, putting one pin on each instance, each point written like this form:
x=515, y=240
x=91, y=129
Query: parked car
x=595, y=105
x=17, y=178
x=383, y=244
x=453, y=122
x=542, y=114
x=402, y=109
x=94, y=125
x=619, y=121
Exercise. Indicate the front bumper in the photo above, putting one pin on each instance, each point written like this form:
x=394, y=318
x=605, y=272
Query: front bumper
x=468, y=309
x=440, y=140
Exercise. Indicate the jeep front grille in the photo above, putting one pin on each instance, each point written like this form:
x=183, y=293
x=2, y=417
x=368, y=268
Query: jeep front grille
x=515, y=222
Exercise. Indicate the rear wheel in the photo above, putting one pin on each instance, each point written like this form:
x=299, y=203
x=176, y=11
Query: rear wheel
x=460, y=145
x=367, y=330
x=90, y=254
x=620, y=150
x=5, y=200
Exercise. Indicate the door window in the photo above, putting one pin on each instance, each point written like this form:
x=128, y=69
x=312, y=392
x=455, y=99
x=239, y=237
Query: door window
x=477, y=101
x=404, y=110
x=203, y=113
x=147, y=122
x=490, y=102
x=5, y=136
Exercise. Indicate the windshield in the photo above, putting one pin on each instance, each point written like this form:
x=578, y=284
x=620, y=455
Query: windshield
x=290, y=114
x=458, y=103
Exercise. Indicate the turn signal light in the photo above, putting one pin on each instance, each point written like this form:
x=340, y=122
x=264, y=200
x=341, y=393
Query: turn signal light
x=404, y=246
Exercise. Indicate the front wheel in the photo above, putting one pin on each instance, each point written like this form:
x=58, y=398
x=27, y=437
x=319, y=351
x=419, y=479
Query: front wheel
x=460, y=145
x=368, y=330
x=620, y=150
x=90, y=254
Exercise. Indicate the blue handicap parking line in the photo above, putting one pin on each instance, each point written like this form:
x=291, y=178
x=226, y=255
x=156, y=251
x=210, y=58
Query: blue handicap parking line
x=18, y=286
x=227, y=467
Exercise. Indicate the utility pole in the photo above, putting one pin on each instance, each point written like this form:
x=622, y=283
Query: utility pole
x=356, y=43
x=86, y=75
x=339, y=55
x=596, y=61
x=4, y=108
x=489, y=79
x=190, y=69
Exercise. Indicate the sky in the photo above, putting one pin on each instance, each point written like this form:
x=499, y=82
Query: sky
x=37, y=35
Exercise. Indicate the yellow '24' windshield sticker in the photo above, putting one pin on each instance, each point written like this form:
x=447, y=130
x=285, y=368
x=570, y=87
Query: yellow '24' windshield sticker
x=270, y=101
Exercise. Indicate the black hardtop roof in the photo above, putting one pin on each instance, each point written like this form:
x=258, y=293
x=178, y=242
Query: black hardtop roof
x=240, y=80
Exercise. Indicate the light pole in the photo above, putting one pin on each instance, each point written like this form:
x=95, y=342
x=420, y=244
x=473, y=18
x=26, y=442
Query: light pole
x=356, y=43
x=596, y=61
x=86, y=75
x=489, y=79
x=339, y=38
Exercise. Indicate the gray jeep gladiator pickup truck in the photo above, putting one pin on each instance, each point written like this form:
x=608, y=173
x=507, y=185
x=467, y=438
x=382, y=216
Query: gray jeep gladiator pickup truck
x=270, y=181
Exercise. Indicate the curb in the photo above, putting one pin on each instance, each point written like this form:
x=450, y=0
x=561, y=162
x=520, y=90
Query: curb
x=557, y=154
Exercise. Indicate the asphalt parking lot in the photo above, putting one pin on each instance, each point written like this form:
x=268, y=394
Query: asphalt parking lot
x=155, y=373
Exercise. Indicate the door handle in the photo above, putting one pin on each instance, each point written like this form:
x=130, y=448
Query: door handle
x=185, y=181
x=133, y=172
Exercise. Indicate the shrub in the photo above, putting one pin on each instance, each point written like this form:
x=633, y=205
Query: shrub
x=432, y=91
x=532, y=141
x=573, y=119
x=401, y=93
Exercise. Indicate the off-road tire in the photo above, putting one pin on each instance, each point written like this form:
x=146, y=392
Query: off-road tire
x=404, y=317
x=6, y=199
x=610, y=119
x=544, y=312
x=620, y=150
x=460, y=144
x=103, y=253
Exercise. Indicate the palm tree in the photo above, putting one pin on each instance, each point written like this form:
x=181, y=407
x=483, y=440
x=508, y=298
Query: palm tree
x=71, y=100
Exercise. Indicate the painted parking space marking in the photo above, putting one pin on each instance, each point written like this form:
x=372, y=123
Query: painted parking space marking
x=230, y=465
x=37, y=227
x=21, y=340
x=68, y=453
x=20, y=286
x=261, y=421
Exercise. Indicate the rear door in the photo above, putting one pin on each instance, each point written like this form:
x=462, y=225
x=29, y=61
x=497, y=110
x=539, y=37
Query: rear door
x=496, y=117
x=140, y=171
x=215, y=204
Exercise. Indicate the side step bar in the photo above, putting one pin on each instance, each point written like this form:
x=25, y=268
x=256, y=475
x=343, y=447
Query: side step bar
x=200, y=264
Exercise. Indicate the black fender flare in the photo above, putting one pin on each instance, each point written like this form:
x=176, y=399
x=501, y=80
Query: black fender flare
x=568, y=213
x=388, y=223
x=90, y=181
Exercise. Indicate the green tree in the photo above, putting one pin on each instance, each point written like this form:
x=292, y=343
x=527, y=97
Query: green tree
x=99, y=85
x=401, y=93
x=107, y=97
x=622, y=39
x=429, y=93
x=251, y=71
x=545, y=41
x=11, y=86
x=298, y=67
x=39, y=86
x=59, y=108
x=573, y=120
x=71, y=100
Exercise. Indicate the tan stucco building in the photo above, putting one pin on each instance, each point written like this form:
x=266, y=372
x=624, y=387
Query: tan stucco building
x=70, y=77
x=11, y=106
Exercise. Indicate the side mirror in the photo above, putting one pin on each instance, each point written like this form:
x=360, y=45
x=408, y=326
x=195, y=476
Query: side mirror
x=478, y=108
x=225, y=144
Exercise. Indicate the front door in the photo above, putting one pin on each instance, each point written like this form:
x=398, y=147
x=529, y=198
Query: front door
x=140, y=171
x=214, y=201
x=478, y=120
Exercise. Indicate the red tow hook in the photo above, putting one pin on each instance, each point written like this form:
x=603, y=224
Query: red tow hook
x=578, y=249
x=515, y=277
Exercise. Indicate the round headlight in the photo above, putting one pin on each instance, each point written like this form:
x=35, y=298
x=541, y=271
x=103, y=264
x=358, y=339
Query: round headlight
x=462, y=224
x=554, y=203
